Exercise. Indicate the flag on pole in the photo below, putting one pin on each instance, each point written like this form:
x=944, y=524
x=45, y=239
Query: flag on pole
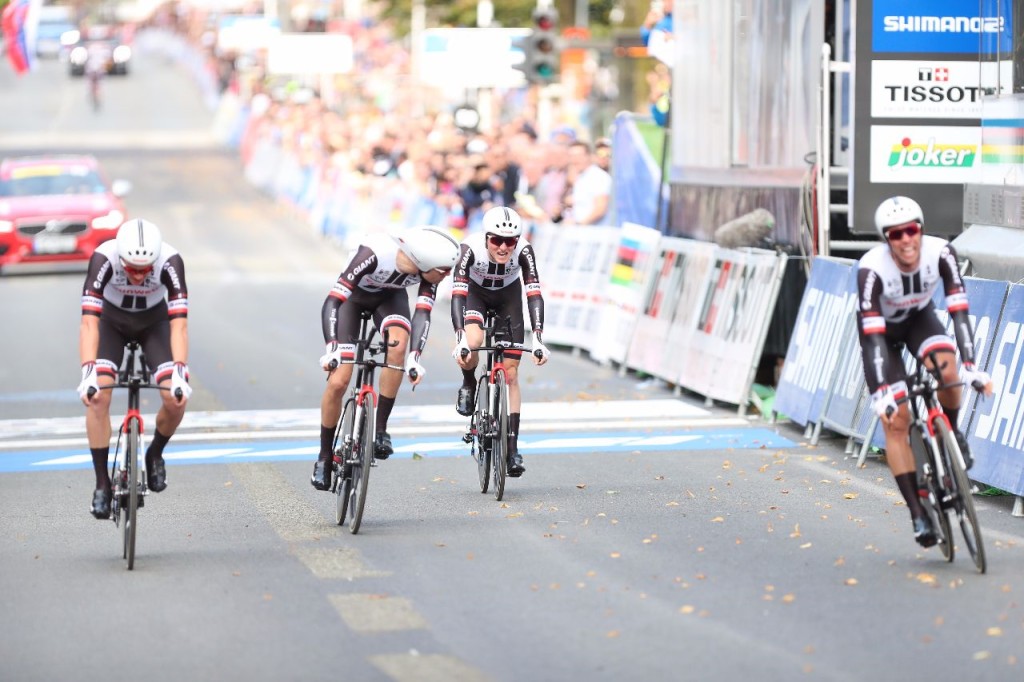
x=12, y=21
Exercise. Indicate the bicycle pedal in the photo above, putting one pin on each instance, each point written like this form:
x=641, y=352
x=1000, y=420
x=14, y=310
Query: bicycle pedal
x=467, y=437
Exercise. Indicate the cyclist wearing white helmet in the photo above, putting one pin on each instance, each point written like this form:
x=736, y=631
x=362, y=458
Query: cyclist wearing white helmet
x=487, y=276
x=895, y=283
x=376, y=278
x=134, y=291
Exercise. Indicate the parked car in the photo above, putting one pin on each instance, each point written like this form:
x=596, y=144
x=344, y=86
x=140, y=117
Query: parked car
x=56, y=208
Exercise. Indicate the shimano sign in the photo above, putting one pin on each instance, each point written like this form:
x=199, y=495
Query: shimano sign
x=942, y=26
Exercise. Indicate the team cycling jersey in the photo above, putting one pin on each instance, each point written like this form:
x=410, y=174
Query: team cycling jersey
x=475, y=271
x=107, y=284
x=371, y=279
x=892, y=303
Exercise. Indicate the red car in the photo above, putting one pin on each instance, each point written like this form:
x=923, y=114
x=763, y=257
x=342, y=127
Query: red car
x=56, y=208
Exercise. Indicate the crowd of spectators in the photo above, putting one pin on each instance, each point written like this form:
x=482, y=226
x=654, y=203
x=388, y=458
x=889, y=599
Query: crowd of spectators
x=377, y=123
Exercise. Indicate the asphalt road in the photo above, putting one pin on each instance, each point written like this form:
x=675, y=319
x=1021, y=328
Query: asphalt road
x=625, y=552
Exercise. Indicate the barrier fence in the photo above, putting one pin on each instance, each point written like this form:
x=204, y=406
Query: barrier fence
x=822, y=383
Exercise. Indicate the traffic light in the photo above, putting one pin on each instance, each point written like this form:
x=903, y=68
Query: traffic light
x=542, y=58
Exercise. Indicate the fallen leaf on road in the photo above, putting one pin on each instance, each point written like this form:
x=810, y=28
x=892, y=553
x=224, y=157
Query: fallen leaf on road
x=849, y=496
x=851, y=581
x=994, y=632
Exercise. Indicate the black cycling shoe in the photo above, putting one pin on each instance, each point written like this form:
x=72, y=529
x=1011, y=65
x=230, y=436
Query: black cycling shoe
x=923, y=532
x=515, y=465
x=156, y=477
x=965, y=449
x=464, y=403
x=321, y=478
x=101, y=503
x=382, y=445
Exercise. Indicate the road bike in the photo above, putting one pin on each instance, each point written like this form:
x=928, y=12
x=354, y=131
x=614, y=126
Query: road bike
x=356, y=430
x=488, y=426
x=942, y=473
x=127, y=476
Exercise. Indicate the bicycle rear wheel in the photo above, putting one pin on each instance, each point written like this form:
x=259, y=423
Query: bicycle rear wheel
x=480, y=427
x=342, y=453
x=131, y=513
x=362, y=460
x=963, y=502
x=499, y=434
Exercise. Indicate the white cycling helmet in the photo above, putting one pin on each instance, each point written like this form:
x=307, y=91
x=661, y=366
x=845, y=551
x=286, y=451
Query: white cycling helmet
x=897, y=211
x=138, y=243
x=503, y=221
x=429, y=247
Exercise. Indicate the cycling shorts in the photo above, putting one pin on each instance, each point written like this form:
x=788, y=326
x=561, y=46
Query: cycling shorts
x=506, y=302
x=151, y=328
x=389, y=307
x=920, y=333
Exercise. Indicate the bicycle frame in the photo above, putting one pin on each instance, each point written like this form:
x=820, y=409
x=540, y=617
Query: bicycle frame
x=356, y=428
x=942, y=471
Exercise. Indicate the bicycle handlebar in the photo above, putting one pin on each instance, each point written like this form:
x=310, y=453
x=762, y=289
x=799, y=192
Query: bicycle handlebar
x=178, y=393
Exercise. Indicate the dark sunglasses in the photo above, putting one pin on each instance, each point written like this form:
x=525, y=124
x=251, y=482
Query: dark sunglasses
x=498, y=241
x=897, y=233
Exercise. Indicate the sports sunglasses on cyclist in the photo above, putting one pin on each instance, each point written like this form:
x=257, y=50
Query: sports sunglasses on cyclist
x=137, y=272
x=897, y=233
x=498, y=241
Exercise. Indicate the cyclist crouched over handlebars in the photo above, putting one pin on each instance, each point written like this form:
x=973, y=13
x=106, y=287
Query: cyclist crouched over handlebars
x=134, y=291
x=895, y=284
x=488, y=274
x=375, y=280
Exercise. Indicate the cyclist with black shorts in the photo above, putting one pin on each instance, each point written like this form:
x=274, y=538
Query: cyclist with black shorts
x=491, y=264
x=376, y=278
x=895, y=284
x=134, y=291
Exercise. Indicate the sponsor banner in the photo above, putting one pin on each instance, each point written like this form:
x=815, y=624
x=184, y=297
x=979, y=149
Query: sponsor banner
x=925, y=154
x=997, y=427
x=933, y=89
x=847, y=393
x=697, y=259
x=942, y=26
x=811, y=358
x=680, y=273
x=636, y=249
x=737, y=308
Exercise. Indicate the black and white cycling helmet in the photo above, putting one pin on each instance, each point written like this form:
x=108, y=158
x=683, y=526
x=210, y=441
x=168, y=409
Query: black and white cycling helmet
x=897, y=211
x=503, y=221
x=138, y=243
x=429, y=247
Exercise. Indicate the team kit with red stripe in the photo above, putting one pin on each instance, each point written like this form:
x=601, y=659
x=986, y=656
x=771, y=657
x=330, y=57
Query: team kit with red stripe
x=897, y=308
x=139, y=312
x=480, y=283
x=372, y=281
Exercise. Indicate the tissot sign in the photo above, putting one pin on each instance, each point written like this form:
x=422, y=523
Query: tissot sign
x=931, y=88
x=919, y=69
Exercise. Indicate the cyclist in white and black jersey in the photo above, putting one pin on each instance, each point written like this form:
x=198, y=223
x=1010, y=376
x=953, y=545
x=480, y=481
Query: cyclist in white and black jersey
x=895, y=284
x=491, y=265
x=134, y=291
x=375, y=279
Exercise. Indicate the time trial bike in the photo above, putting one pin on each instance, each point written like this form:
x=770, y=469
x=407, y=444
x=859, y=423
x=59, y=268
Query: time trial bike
x=356, y=430
x=942, y=472
x=127, y=475
x=488, y=426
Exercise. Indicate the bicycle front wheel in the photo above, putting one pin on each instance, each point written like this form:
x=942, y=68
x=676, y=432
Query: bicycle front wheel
x=342, y=453
x=926, y=454
x=963, y=502
x=362, y=460
x=481, y=418
x=131, y=513
x=499, y=435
